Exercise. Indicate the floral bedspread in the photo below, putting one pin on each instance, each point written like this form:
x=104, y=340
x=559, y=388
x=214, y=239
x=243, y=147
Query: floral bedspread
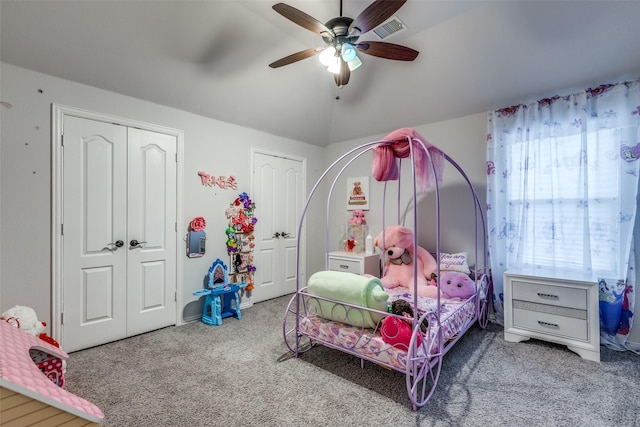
x=454, y=315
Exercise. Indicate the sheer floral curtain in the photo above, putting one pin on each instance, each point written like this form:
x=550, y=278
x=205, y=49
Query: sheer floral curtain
x=562, y=185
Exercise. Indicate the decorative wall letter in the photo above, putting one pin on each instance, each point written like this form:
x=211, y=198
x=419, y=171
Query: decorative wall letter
x=221, y=181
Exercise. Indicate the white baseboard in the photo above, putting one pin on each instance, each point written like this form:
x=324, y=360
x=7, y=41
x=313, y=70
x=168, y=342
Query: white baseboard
x=192, y=318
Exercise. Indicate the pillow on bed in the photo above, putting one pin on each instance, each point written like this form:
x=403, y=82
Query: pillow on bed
x=454, y=262
x=350, y=288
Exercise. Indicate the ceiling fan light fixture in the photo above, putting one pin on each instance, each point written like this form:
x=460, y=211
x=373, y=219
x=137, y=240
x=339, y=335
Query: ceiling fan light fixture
x=348, y=52
x=334, y=66
x=354, y=64
x=327, y=56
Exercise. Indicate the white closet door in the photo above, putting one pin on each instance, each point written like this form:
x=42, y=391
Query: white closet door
x=119, y=186
x=279, y=198
x=95, y=230
x=151, y=278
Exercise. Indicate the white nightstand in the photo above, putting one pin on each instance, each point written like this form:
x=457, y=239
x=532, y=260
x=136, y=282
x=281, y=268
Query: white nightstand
x=355, y=263
x=553, y=305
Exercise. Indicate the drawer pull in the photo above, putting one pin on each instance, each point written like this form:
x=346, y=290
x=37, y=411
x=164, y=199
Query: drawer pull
x=548, y=325
x=344, y=267
x=548, y=296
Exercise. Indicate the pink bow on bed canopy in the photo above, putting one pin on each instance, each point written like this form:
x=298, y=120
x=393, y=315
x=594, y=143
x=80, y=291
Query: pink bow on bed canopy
x=396, y=145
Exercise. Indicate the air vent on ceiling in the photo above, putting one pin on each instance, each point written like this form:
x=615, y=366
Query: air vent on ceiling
x=391, y=26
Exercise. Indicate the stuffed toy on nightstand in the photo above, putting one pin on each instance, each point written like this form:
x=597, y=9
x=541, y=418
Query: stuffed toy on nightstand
x=357, y=218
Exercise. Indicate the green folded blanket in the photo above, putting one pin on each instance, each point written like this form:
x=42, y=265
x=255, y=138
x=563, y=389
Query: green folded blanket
x=350, y=288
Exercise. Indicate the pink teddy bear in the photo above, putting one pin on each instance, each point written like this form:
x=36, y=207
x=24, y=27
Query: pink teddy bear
x=357, y=218
x=400, y=255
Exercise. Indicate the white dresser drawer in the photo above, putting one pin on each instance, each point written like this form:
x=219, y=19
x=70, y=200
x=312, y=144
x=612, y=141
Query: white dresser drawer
x=555, y=305
x=551, y=324
x=341, y=264
x=548, y=294
x=357, y=263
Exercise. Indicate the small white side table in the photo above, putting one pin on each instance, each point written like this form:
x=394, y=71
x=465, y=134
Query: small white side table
x=553, y=305
x=358, y=263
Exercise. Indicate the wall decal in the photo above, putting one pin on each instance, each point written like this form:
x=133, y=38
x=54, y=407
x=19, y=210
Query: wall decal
x=221, y=181
x=358, y=193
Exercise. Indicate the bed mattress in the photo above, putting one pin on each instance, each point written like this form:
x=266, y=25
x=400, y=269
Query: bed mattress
x=454, y=316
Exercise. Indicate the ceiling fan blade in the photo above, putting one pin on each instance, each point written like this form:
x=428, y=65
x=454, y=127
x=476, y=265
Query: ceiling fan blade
x=375, y=14
x=299, y=17
x=388, y=50
x=295, y=57
x=342, y=78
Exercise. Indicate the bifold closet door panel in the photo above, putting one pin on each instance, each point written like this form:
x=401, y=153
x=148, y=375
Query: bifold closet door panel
x=94, y=233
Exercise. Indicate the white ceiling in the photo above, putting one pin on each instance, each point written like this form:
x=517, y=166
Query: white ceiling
x=211, y=58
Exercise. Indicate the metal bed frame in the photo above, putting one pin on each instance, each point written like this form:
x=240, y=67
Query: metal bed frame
x=423, y=362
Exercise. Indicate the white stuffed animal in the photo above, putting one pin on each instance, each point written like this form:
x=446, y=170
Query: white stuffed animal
x=24, y=318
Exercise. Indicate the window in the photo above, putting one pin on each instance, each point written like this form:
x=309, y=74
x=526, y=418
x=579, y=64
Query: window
x=562, y=183
x=552, y=201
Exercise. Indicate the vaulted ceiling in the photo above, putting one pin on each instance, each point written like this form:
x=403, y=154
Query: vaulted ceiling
x=211, y=58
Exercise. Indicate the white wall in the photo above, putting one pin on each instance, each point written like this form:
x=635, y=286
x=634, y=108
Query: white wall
x=25, y=178
x=464, y=141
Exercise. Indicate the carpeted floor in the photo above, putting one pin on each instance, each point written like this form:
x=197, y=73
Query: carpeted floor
x=241, y=374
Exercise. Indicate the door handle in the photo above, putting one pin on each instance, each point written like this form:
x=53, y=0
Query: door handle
x=134, y=243
x=277, y=235
x=117, y=244
x=285, y=235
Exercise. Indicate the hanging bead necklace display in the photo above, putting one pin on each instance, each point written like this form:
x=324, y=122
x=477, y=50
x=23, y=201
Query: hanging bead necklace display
x=240, y=240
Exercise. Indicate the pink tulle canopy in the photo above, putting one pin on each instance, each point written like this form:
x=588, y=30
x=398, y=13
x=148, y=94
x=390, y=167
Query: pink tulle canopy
x=396, y=146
